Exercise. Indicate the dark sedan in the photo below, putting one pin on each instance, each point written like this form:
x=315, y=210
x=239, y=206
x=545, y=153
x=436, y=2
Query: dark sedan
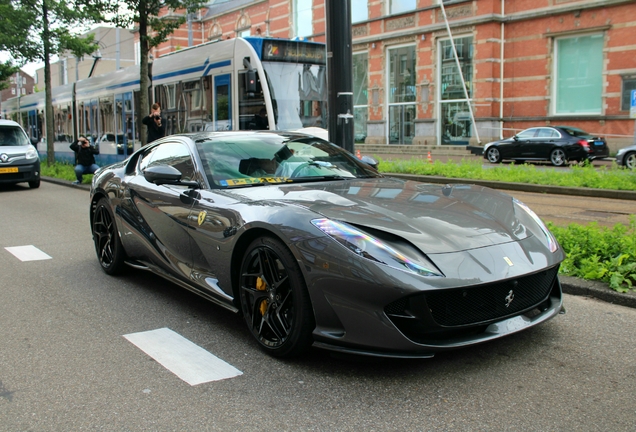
x=557, y=144
x=314, y=247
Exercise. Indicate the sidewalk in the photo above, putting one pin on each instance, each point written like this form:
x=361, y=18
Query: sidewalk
x=570, y=285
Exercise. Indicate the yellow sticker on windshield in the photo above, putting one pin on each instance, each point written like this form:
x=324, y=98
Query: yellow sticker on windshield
x=252, y=180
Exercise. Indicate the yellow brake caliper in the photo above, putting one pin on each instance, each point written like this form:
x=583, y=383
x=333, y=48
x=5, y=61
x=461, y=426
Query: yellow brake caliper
x=262, y=286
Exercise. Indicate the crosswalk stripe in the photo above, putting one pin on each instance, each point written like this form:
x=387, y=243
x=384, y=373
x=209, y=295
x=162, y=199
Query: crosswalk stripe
x=28, y=253
x=183, y=358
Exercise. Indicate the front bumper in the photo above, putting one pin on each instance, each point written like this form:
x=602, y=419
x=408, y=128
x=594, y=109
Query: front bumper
x=25, y=173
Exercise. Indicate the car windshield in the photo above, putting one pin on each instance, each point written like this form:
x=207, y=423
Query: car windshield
x=12, y=136
x=240, y=161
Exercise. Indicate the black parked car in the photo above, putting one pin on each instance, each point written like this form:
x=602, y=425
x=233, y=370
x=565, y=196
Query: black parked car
x=557, y=144
x=313, y=246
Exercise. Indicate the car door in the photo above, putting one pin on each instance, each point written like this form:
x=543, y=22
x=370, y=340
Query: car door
x=158, y=214
x=539, y=146
x=527, y=143
x=213, y=224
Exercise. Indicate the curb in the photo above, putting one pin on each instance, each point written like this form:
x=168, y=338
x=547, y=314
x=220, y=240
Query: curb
x=522, y=187
x=570, y=285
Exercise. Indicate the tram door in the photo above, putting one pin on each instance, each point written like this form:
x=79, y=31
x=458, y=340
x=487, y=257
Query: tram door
x=124, y=124
x=222, y=103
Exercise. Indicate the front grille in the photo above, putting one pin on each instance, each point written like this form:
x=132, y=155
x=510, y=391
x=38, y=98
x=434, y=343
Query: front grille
x=456, y=307
x=12, y=176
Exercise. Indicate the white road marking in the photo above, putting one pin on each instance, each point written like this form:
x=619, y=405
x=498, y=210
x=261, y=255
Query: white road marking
x=28, y=253
x=183, y=358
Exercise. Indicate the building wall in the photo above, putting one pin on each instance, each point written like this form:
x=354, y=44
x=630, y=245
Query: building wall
x=25, y=87
x=525, y=71
x=76, y=69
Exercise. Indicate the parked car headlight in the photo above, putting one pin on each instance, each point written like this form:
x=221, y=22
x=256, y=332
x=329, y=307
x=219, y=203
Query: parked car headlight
x=620, y=152
x=373, y=249
x=553, y=245
x=31, y=153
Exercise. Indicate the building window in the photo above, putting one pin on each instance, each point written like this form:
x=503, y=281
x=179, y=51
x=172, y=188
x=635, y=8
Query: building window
x=303, y=18
x=629, y=84
x=359, y=10
x=401, y=97
x=455, y=123
x=360, y=96
x=398, y=6
x=579, y=75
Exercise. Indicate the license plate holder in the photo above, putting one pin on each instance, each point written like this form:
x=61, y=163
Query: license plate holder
x=8, y=170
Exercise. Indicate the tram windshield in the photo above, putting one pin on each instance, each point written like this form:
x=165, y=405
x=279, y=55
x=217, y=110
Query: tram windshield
x=299, y=94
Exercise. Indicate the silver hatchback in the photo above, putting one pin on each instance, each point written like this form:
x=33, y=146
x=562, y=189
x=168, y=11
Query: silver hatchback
x=19, y=161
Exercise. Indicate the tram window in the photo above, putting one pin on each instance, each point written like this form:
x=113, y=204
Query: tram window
x=251, y=104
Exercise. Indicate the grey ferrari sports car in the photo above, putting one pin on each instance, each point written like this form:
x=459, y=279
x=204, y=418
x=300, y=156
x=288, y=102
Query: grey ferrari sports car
x=315, y=248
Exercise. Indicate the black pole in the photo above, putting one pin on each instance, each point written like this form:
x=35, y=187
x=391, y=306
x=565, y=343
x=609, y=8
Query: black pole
x=340, y=72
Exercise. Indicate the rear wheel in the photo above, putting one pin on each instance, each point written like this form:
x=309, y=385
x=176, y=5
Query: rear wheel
x=493, y=155
x=274, y=299
x=557, y=157
x=108, y=247
x=630, y=160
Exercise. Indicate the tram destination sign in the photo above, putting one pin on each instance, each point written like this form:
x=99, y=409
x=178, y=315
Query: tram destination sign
x=292, y=51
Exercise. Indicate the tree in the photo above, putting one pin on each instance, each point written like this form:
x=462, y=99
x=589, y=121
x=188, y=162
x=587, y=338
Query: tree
x=7, y=69
x=34, y=30
x=153, y=30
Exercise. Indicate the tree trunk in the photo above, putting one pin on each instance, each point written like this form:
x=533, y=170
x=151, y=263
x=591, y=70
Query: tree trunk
x=144, y=107
x=48, y=101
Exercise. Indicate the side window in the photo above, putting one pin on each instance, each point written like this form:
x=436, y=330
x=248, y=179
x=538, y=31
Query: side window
x=530, y=133
x=544, y=133
x=173, y=154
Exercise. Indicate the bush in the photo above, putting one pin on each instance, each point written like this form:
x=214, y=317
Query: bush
x=599, y=253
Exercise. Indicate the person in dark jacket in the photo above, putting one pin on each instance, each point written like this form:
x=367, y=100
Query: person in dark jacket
x=84, y=157
x=155, y=123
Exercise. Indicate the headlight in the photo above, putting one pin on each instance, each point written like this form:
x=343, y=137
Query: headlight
x=620, y=152
x=552, y=243
x=31, y=153
x=372, y=249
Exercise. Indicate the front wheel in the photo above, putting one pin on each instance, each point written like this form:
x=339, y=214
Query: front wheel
x=630, y=160
x=557, y=157
x=110, y=251
x=274, y=299
x=493, y=155
x=34, y=184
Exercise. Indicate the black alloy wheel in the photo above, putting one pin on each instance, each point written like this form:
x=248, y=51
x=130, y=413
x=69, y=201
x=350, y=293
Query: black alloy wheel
x=493, y=155
x=108, y=247
x=274, y=299
x=557, y=157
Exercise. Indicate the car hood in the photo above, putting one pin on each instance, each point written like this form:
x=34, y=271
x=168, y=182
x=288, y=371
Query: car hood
x=435, y=218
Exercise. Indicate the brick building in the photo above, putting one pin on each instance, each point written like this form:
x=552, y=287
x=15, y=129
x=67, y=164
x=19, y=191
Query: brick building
x=525, y=63
x=20, y=83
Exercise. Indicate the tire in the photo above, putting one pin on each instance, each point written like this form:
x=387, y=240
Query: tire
x=557, y=157
x=630, y=160
x=274, y=299
x=34, y=184
x=108, y=247
x=493, y=155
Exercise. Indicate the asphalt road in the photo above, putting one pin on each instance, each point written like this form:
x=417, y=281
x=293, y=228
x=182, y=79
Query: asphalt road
x=65, y=365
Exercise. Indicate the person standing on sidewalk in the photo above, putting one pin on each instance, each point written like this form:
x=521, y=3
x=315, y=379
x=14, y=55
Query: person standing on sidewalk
x=155, y=123
x=84, y=158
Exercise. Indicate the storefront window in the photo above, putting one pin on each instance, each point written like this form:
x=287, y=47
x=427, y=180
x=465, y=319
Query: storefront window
x=455, y=122
x=401, y=95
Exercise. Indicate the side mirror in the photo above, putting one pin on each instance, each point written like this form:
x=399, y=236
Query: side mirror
x=166, y=174
x=34, y=141
x=515, y=137
x=370, y=161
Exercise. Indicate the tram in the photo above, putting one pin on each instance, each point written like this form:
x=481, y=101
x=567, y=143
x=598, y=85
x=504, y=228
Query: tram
x=235, y=84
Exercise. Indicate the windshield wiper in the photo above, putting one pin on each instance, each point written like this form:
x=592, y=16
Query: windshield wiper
x=317, y=178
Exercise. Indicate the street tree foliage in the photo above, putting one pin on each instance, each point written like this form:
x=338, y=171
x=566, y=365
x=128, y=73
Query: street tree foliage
x=7, y=69
x=35, y=30
x=155, y=20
